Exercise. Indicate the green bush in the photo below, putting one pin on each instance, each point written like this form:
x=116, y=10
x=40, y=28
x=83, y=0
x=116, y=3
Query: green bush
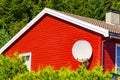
x=15, y=69
x=81, y=73
x=94, y=74
x=10, y=67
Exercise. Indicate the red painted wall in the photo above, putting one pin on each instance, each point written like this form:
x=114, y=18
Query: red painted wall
x=109, y=55
x=50, y=40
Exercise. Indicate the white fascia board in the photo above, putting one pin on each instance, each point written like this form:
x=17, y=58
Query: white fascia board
x=54, y=13
x=78, y=22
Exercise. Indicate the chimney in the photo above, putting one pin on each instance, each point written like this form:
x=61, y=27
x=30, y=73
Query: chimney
x=113, y=17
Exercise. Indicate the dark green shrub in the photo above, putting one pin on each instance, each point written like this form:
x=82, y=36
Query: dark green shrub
x=10, y=67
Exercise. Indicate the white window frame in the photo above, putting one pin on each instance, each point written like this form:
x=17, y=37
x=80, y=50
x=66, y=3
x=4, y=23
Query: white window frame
x=117, y=45
x=27, y=54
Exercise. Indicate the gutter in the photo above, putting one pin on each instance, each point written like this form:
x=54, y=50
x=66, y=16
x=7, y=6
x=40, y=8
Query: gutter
x=103, y=41
x=103, y=53
x=114, y=35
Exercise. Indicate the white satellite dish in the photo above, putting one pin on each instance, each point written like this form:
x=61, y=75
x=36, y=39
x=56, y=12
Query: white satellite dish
x=82, y=50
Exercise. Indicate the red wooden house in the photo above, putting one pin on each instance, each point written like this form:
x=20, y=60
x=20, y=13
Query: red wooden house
x=49, y=37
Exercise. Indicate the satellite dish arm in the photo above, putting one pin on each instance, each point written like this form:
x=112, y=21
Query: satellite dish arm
x=85, y=62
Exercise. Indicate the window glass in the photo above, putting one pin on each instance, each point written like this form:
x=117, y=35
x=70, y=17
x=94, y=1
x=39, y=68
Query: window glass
x=27, y=61
x=118, y=69
x=27, y=57
x=118, y=51
x=118, y=62
x=118, y=58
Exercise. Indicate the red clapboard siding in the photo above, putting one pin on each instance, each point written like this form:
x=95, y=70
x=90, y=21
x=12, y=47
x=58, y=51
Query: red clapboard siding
x=50, y=40
x=109, y=55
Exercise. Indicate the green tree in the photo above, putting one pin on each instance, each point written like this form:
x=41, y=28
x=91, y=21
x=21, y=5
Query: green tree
x=15, y=14
x=4, y=37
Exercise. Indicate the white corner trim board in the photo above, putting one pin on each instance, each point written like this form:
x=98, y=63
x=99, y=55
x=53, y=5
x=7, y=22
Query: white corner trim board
x=54, y=13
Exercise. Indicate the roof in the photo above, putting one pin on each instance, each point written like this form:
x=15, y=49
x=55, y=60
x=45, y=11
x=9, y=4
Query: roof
x=109, y=27
x=91, y=24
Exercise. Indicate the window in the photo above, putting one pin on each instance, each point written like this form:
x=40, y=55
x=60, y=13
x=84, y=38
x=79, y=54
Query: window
x=117, y=58
x=27, y=59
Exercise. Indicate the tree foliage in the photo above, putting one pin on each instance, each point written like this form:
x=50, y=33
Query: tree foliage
x=4, y=37
x=15, y=14
x=10, y=67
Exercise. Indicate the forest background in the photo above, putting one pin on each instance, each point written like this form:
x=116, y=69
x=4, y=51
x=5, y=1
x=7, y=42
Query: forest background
x=15, y=14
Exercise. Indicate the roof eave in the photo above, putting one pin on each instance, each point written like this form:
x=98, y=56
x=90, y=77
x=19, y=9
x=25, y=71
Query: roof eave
x=78, y=22
x=114, y=35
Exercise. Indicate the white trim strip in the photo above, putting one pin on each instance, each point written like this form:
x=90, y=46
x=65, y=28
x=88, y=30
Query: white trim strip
x=78, y=22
